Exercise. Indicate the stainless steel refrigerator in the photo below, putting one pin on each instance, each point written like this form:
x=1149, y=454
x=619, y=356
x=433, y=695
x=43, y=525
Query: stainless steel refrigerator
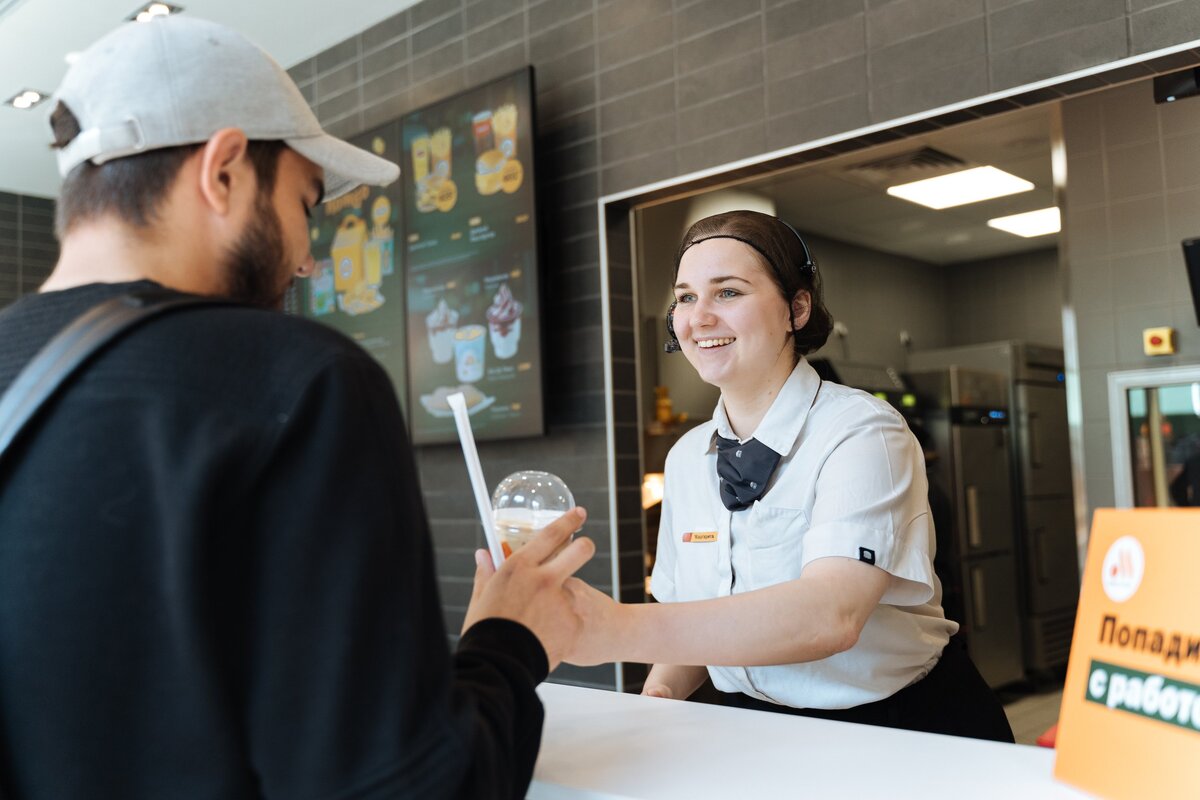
x=1044, y=503
x=967, y=420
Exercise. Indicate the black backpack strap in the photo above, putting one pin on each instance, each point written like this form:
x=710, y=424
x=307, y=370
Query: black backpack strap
x=63, y=355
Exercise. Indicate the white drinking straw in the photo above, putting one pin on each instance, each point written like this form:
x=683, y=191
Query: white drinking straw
x=462, y=421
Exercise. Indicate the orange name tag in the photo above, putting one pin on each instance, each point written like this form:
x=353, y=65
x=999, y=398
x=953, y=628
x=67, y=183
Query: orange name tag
x=700, y=536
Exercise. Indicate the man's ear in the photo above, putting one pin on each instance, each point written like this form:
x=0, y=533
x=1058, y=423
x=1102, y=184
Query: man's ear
x=801, y=308
x=224, y=169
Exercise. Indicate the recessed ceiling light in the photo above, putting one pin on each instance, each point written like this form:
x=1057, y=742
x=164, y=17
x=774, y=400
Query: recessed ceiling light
x=26, y=99
x=152, y=10
x=1031, y=223
x=960, y=188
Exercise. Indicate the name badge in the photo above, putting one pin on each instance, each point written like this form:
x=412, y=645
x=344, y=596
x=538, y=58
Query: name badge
x=700, y=536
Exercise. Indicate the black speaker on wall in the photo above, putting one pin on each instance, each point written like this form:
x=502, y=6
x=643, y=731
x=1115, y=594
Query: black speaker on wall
x=1177, y=85
x=1191, y=257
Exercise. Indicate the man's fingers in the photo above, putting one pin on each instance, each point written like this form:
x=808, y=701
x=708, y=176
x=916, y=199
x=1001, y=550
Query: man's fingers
x=551, y=537
x=573, y=556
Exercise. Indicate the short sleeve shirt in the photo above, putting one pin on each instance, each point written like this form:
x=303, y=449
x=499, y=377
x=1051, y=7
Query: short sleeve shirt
x=851, y=483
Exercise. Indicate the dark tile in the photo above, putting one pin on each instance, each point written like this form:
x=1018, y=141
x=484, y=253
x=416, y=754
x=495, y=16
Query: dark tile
x=726, y=147
x=712, y=48
x=549, y=13
x=1042, y=19
x=709, y=15
x=338, y=106
x=572, y=160
x=500, y=34
x=955, y=44
x=732, y=76
x=805, y=125
x=638, y=172
x=620, y=15
x=437, y=62
x=386, y=109
x=646, y=38
x=566, y=68
x=896, y=22
x=568, y=129
x=437, y=35
x=486, y=12
x=638, y=140
x=346, y=127
x=1164, y=25
x=812, y=88
x=1067, y=52
x=304, y=71
x=564, y=38
x=567, y=99
x=427, y=11
x=727, y=113
x=801, y=16
x=391, y=28
x=339, y=80
x=438, y=88
x=637, y=107
x=339, y=54
x=811, y=49
x=637, y=74
x=385, y=58
x=385, y=85
x=499, y=63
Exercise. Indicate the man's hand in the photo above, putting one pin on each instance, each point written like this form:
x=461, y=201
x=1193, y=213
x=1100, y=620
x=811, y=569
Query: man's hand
x=530, y=586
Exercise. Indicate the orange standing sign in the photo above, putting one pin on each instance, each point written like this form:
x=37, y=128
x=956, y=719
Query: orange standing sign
x=1130, y=721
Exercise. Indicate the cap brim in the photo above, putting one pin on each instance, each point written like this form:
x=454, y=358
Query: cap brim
x=346, y=166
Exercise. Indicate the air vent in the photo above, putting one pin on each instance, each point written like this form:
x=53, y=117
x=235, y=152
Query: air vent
x=911, y=165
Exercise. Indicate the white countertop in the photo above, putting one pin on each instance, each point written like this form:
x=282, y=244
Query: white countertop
x=600, y=745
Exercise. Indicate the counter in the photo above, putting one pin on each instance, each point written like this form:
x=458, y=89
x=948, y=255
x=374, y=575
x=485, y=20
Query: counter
x=600, y=745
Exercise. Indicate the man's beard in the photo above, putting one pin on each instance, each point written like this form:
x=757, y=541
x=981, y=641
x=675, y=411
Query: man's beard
x=253, y=268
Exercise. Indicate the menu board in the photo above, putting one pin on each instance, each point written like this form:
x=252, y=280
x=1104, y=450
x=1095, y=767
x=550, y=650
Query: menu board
x=357, y=286
x=471, y=262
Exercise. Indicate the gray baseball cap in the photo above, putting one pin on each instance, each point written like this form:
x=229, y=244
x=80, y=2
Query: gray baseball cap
x=178, y=80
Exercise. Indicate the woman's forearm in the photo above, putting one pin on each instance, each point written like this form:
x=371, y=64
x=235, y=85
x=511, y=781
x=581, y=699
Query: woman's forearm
x=807, y=619
x=674, y=681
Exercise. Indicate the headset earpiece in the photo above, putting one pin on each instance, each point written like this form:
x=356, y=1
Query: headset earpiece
x=672, y=345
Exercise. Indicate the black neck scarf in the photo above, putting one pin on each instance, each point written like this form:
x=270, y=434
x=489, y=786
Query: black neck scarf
x=745, y=469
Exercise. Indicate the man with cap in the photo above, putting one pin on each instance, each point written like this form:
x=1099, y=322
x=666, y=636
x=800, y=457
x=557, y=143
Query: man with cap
x=216, y=578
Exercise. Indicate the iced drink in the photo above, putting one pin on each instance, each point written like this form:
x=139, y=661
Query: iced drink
x=515, y=527
x=504, y=322
x=468, y=353
x=504, y=126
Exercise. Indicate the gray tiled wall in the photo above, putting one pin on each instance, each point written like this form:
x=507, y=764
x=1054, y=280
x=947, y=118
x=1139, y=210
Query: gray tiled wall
x=636, y=91
x=1014, y=297
x=28, y=248
x=1133, y=193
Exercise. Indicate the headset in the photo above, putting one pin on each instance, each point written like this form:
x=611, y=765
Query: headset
x=809, y=265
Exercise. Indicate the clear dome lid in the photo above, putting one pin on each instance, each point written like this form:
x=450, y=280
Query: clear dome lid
x=538, y=492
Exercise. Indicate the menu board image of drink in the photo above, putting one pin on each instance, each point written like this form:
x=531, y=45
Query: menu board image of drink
x=471, y=263
x=357, y=286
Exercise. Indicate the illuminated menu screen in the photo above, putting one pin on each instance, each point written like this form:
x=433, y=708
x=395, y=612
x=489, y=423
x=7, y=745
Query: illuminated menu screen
x=358, y=286
x=470, y=252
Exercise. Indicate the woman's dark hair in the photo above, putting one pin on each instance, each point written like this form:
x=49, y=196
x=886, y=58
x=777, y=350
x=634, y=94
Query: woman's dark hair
x=133, y=188
x=789, y=263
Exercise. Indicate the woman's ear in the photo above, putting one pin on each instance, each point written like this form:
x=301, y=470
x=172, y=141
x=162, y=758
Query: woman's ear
x=801, y=309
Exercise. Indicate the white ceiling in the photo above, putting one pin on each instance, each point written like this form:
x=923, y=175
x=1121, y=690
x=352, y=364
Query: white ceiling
x=36, y=35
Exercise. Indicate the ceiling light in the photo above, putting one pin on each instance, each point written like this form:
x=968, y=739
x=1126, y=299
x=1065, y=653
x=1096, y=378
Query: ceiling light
x=26, y=99
x=152, y=10
x=1031, y=223
x=960, y=188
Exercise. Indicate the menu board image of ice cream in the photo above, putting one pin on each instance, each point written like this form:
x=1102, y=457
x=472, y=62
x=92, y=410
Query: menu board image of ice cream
x=357, y=285
x=471, y=269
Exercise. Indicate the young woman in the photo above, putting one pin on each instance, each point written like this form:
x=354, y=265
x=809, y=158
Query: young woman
x=795, y=552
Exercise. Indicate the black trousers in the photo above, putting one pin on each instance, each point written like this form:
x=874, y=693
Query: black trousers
x=953, y=699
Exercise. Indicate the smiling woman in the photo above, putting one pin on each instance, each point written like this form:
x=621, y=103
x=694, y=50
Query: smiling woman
x=795, y=554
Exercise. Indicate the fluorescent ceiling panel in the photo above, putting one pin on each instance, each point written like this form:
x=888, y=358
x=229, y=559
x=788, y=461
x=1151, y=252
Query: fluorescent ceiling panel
x=960, y=188
x=1031, y=223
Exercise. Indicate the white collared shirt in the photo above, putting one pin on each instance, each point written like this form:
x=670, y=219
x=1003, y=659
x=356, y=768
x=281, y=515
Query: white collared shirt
x=851, y=483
